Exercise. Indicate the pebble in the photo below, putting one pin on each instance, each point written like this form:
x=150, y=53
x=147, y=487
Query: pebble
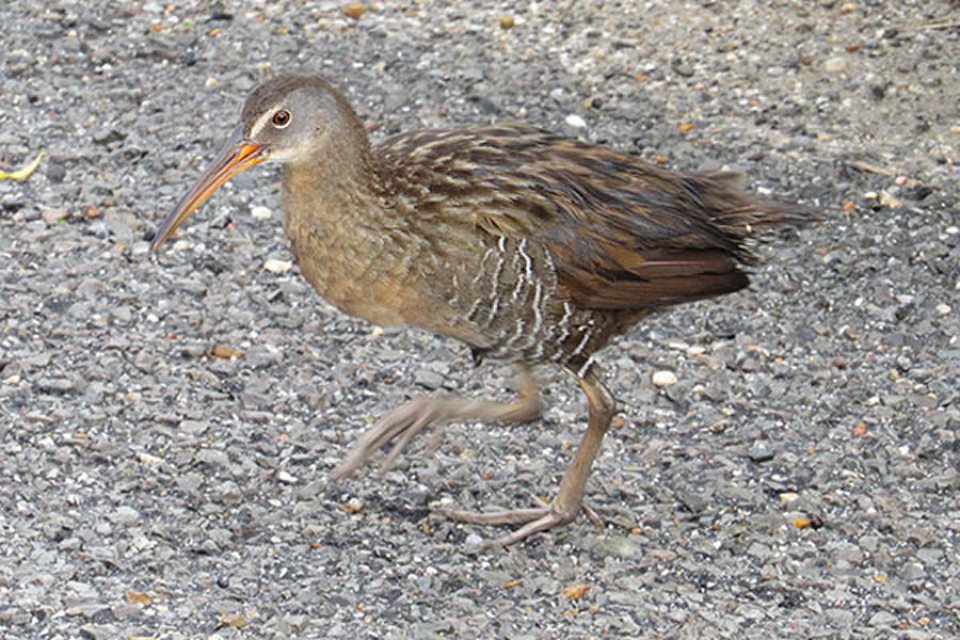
x=842, y=618
x=930, y=555
x=882, y=619
x=664, y=378
x=286, y=478
x=125, y=516
x=836, y=65
x=473, y=541
x=98, y=632
x=428, y=378
x=214, y=457
x=848, y=552
x=55, y=385
x=760, y=453
x=54, y=216
x=575, y=121
x=261, y=213
x=274, y=265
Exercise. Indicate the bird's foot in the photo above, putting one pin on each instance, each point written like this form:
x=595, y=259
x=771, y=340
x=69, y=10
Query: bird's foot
x=404, y=423
x=535, y=520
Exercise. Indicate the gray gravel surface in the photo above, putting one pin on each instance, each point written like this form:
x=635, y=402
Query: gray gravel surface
x=799, y=480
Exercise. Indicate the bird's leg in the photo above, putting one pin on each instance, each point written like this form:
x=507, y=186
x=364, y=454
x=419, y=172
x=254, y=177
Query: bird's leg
x=403, y=423
x=569, y=500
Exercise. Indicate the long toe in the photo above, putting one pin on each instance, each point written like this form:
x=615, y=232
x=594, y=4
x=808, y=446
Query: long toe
x=549, y=520
x=494, y=518
x=533, y=521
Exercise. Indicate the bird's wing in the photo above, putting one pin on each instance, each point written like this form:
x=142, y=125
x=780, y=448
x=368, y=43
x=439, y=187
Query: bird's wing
x=621, y=233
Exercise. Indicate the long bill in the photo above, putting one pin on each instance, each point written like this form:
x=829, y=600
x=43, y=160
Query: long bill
x=236, y=155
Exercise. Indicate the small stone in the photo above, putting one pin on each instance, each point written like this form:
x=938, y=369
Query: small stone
x=97, y=632
x=213, y=457
x=930, y=556
x=261, y=213
x=225, y=352
x=664, y=378
x=194, y=428
x=789, y=496
x=285, y=477
x=55, y=385
x=277, y=266
x=694, y=502
x=473, y=541
x=53, y=216
x=842, y=618
x=353, y=505
x=354, y=10
x=507, y=21
x=889, y=201
x=428, y=378
x=912, y=571
x=882, y=619
x=575, y=121
x=943, y=309
x=56, y=172
x=836, y=65
x=760, y=453
x=849, y=553
x=149, y=459
x=125, y=516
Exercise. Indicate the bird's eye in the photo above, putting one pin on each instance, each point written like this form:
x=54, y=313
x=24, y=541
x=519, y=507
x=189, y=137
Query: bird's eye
x=281, y=118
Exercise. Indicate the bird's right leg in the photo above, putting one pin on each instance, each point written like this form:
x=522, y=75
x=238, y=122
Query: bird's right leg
x=403, y=423
x=569, y=500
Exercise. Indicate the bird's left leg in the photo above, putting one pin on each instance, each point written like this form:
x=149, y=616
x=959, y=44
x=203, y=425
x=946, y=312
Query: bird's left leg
x=569, y=500
x=402, y=424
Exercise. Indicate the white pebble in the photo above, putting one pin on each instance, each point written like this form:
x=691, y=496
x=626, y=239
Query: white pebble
x=576, y=121
x=277, y=266
x=149, y=459
x=943, y=309
x=664, y=378
x=473, y=541
x=835, y=65
x=285, y=477
x=261, y=213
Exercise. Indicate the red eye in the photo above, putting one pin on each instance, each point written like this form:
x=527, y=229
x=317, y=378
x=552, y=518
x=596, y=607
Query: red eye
x=281, y=118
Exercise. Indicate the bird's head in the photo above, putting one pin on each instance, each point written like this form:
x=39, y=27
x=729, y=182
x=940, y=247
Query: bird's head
x=287, y=119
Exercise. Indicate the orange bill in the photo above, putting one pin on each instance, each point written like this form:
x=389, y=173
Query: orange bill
x=237, y=155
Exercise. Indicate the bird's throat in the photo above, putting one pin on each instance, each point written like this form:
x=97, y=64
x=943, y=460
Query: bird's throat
x=339, y=226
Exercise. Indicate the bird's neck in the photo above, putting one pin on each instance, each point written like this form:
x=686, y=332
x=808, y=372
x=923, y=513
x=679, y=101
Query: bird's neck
x=340, y=227
x=333, y=189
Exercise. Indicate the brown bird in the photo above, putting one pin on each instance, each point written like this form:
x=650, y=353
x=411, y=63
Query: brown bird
x=529, y=247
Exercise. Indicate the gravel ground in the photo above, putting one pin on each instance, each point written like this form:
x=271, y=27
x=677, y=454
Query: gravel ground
x=799, y=480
